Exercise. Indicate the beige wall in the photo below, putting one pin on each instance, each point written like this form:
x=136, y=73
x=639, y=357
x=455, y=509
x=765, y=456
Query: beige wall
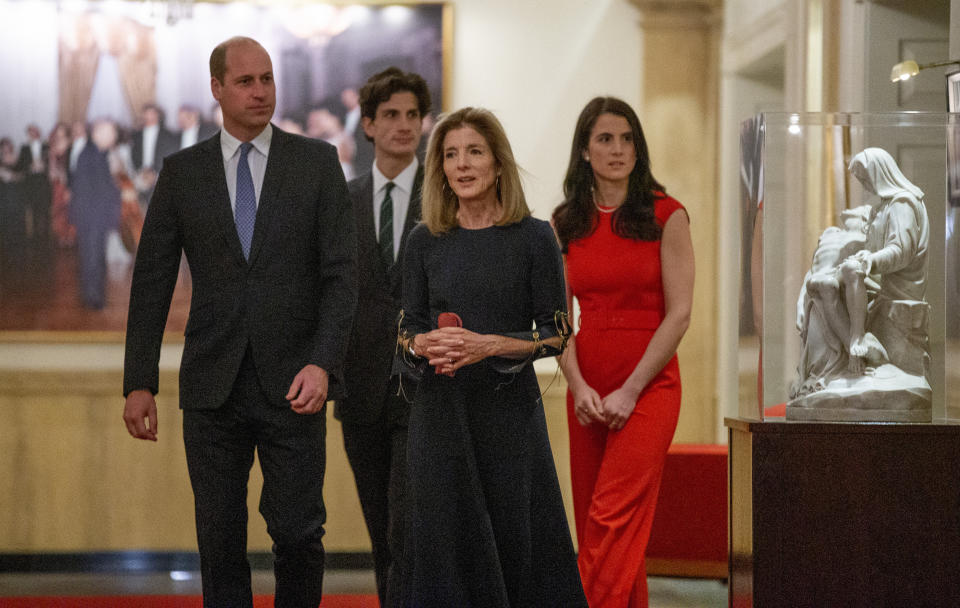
x=73, y=480
x=82, y=483
x=536, y=63
x=678, y=108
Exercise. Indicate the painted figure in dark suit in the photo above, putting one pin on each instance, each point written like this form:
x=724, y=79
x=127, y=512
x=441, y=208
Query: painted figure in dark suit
x=269, y=320
x=13, y=225
x=95, y=211
x=35, y=190
x=192, y=126
x=149, y=146
x=386, y=202
x=353, y=126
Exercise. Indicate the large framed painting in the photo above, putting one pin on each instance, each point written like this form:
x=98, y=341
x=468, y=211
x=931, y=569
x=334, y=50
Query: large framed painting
x=131, y=78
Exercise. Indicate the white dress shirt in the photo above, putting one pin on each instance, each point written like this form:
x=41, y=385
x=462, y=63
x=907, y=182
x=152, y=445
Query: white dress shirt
x=36, y=151
x=188, y=137
x=351, y=121
x=400, y=195
x=75, y=149
x=150, y=134
x=257, y=157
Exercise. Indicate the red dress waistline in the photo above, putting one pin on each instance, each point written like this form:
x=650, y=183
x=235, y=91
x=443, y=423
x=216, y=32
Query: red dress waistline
x=620, y=319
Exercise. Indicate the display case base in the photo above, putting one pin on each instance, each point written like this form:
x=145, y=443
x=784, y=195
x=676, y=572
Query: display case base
x=844, y=514
x=855, y=414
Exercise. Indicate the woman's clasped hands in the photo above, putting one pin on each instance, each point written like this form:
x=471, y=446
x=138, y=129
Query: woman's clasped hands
x=450, y=348
x=612, y=411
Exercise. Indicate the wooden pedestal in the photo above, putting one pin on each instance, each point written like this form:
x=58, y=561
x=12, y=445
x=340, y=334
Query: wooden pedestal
x=844, y=514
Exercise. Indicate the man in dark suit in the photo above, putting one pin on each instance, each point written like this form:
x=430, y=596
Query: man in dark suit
x=192, y=126
x=94, y=211
x=352, y=125
x=386, y=202
x=35, y=190
x=265, y=221
x=152, y=143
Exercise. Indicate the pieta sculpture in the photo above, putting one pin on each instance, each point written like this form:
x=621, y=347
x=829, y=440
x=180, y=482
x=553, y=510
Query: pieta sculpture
x=862, y=313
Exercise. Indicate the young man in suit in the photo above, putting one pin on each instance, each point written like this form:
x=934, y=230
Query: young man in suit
x=149, y=146
x=265, y=221
x=35, y=189
x=193, y=128
x=386, y=203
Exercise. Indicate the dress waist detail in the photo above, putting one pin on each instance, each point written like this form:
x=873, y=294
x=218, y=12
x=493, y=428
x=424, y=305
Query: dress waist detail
x=620, y=319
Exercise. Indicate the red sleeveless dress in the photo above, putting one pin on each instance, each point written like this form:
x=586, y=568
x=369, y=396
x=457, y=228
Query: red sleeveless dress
x=616, y=474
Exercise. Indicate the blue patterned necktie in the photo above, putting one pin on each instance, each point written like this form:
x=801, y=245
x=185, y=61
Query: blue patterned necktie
x=245, y=214
x=385, y=234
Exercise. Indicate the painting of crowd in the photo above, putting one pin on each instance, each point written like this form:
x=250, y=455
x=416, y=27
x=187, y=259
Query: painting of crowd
x=74, y=193
x=82, y=184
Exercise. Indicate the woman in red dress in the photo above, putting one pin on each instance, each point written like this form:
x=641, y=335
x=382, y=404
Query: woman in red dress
x=629, y=263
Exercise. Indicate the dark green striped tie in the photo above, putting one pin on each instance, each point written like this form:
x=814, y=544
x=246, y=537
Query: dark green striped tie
x=386, y=227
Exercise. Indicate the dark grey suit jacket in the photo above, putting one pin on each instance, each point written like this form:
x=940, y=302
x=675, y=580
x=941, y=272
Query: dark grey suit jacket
x=293, y=302
x=374, y=337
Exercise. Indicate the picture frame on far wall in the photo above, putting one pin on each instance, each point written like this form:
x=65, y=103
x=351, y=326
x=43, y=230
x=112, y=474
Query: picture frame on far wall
x=84, y=61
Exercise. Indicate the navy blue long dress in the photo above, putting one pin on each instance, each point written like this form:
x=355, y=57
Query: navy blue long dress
x=485, y=523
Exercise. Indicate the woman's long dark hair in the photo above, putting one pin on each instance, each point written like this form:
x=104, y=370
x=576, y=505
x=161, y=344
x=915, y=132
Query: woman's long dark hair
x=575, y=218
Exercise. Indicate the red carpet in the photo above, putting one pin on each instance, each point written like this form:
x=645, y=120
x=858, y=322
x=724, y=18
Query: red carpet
x=167, y=601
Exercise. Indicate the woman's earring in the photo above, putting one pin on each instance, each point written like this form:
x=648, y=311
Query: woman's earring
x=586, y=157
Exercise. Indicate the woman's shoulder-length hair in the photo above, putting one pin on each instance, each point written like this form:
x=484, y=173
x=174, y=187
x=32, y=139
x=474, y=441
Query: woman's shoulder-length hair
x=439, y=203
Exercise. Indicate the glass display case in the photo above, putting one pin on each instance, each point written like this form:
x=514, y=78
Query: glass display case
x=796, y=182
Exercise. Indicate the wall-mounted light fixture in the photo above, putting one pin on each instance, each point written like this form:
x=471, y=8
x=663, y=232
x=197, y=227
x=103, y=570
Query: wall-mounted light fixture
x=906, y=70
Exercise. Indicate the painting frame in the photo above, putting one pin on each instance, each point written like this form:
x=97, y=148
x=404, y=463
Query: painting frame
x=26, y=324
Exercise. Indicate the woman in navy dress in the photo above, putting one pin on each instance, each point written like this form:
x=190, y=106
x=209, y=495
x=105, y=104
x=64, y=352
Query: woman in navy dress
x=486, y=525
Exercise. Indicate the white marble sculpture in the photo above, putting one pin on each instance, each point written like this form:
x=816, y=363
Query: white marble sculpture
x=862, y=316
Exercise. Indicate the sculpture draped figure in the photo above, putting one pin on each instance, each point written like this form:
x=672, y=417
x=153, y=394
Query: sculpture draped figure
x=861, y=314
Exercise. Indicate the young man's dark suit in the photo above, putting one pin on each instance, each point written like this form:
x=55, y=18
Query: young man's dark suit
x=374, y=417
x=166, y=144
x=35, y=191
x=252, y=327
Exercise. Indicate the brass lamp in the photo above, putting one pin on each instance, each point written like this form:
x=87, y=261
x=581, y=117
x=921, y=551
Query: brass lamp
x=909, y=68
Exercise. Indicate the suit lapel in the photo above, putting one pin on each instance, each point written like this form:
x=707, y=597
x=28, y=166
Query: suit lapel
x=366, y=227
x=272, y=179
x=220, y=196
x=413, y=216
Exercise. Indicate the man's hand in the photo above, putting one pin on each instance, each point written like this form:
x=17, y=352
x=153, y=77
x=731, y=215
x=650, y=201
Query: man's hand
x=141, y=406
x=308, y=392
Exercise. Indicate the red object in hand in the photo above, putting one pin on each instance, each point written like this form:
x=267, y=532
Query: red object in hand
x=447, y=319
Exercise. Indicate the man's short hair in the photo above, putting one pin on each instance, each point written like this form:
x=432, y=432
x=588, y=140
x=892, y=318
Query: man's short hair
x=218, y=58
x=381, y=86
x=161, y=115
